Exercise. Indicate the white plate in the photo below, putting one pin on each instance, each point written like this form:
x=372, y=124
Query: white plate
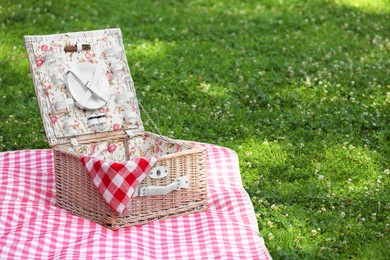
x=86, y=74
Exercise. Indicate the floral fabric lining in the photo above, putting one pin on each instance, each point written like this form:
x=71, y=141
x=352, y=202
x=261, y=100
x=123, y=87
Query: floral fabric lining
x=53, y=88
x=147, y=145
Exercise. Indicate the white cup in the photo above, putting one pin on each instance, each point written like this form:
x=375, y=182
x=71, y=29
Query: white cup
x=130, y=117
x=61, y=104
x=92, y=120
x=69, y=123
x=117, y=69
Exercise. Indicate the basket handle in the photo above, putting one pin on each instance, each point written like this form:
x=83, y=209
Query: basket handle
x=180, y=183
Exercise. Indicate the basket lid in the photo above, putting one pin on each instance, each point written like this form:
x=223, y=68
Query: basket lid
x=83, y=84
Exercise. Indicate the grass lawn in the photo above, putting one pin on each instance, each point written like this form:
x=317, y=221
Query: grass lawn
x=299, y=89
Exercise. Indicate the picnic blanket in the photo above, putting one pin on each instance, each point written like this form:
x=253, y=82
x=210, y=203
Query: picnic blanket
x=32, y=227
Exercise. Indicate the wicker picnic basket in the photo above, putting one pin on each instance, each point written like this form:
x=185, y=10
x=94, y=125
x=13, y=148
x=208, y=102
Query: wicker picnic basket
x=100, y=118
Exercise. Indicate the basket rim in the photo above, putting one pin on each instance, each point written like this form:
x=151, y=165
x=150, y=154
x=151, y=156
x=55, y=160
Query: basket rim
x=191, y=148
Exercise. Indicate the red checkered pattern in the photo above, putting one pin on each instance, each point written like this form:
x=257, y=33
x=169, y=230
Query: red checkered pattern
x=32, y=227
x=118, y=181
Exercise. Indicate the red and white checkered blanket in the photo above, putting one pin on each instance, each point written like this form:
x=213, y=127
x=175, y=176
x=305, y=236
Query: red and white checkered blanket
x=32, y=227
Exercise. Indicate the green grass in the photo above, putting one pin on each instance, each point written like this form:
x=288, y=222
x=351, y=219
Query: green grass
x=300, y=89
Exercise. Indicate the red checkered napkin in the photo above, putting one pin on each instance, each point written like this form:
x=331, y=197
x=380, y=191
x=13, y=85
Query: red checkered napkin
x=117, y=181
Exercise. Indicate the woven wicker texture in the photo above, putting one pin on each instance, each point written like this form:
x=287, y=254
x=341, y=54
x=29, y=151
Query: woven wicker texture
x=77, y=194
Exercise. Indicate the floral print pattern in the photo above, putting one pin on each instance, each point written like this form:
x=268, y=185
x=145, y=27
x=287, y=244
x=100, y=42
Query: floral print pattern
x=39, y=62
x=51, y=73
x=107, y=150
x=146, y=145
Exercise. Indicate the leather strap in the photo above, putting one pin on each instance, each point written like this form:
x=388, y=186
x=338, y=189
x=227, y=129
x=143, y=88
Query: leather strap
x=79, y=47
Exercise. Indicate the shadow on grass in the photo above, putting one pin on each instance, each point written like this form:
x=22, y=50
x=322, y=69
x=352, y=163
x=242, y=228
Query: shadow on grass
x=317, y=203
